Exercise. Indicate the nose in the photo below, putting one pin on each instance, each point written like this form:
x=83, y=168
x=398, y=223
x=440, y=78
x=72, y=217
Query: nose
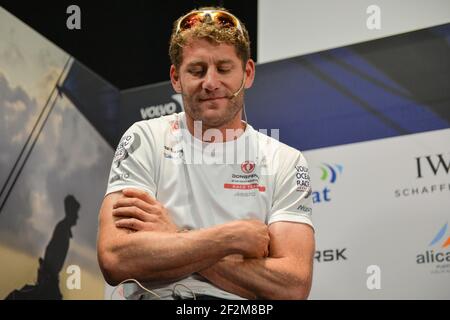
x=211, y=81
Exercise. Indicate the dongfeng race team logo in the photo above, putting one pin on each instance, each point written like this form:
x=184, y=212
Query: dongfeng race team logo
x=248, y=166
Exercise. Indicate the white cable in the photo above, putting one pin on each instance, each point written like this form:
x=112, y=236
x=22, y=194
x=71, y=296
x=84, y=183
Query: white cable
x=245, y=115
x=180, y=284
x=150, y=291
x=139, y=284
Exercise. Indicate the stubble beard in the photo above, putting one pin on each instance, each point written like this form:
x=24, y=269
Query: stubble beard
x=196, y=112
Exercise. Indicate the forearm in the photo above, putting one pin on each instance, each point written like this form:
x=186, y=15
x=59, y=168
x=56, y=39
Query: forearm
x=163, y=256
x=267, y=278
x=136, y=240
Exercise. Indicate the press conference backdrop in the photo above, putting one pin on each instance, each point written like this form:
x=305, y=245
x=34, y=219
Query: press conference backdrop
x=372, y=120
x=49, y=152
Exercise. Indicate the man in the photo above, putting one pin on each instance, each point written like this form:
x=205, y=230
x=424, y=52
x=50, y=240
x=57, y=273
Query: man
x=47, y=284
x=199, y=204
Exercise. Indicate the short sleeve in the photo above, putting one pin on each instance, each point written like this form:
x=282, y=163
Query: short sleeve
x=292, y=200
x=133, y=165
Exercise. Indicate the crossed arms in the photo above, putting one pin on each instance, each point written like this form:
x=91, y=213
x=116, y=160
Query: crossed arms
x=137, y=239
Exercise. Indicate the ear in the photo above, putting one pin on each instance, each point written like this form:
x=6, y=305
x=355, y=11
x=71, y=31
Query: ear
x=250, y=73
x=174, y=78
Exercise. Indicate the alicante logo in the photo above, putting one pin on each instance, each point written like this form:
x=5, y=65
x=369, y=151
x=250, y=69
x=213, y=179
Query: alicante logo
x=441, y=241
x=330, y=174
x=439, y=237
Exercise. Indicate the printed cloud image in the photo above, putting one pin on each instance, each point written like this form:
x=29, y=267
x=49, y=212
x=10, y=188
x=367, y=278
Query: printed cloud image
x=53, y=169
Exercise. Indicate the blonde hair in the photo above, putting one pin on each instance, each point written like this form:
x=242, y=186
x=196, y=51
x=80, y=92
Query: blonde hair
x=212, y=33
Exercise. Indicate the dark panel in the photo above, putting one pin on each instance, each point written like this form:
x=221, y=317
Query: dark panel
x=125, y=42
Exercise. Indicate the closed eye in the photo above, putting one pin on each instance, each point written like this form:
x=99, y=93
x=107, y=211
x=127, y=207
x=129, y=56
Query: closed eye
x=196, y=72
x=224, y=70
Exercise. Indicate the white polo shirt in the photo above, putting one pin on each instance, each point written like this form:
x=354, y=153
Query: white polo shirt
x=205, y=184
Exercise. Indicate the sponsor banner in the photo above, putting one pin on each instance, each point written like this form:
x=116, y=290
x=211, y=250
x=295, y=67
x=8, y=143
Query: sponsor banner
x=383, y=204
x=356, y=93
x=148, y=102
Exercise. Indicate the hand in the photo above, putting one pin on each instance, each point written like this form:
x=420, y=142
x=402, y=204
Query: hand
x=138, y=211
x=253, y=238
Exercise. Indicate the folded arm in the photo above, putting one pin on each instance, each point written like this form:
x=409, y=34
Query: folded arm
x=155, y=256
x=285, y=274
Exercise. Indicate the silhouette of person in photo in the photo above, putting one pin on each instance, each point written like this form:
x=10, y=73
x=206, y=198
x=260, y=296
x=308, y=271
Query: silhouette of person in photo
x=47, y=284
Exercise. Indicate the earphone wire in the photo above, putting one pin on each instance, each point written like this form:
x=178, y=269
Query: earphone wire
x=180, y=284
x=245, y=114
x=138, y=283
x=150, y=291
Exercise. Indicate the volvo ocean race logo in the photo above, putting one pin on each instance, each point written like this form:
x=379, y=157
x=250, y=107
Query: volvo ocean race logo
x=162, y=109
x=128, y=144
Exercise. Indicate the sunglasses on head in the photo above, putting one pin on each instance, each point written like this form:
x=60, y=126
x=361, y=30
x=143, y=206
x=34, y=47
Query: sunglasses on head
x=219, y=17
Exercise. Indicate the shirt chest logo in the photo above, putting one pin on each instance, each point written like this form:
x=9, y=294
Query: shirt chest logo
x=248, y=166
x=248, y=180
